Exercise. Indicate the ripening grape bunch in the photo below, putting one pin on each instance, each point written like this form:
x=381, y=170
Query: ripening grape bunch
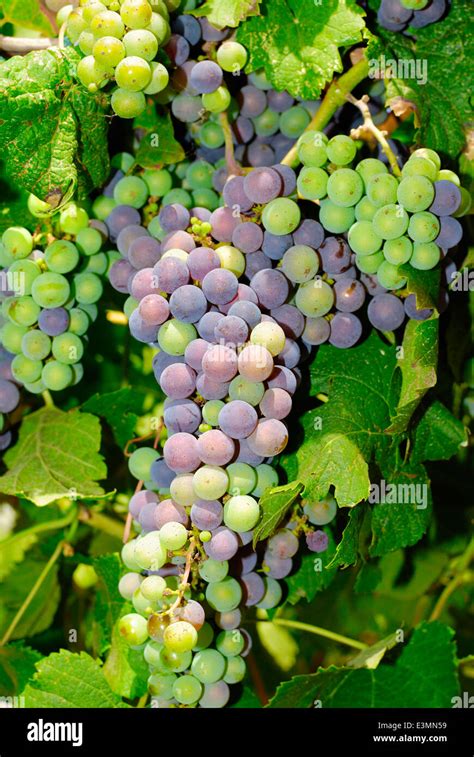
x=50, y=287
x=398, y=15
x=119, y=41
x=9, y=396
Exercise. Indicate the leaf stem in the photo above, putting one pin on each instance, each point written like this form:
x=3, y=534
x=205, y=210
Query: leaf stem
x=24, y=45
x=463, y=563
x=335, y=97
x=50, y=525
x=232, y=164
x=48, y=400
x=102, y=523
x=317, y=631
x=369, y=126
x=32, y=593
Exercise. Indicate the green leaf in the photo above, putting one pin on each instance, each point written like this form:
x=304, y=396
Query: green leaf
x=424, y=285
x=27, y=14
x=109, y=603
x=17, y=665
x=66, y=680
x=342, y=436
x=438, y=435
x=370, y=658
x=42, y=608
x=313, y=574
x=279, y=643
x=125, y=669
x=418, y=366
x=430, y=685
x=13, y=205
x=443, y=107
x=56, y=456
x=248, y=700
x=274, y=505
x=297, y=42
x=231, y=13
x=158, y=146
x=120, y=409
x=53, y=131
x=12, y=551
x=347, y=551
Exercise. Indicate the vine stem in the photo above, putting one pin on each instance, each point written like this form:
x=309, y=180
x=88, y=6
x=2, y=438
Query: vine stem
x=457, y=581
x=335, y=97
x=34, y=590
x=232, y=164
x=317, y=631
x=48, y=399
x=24, y=45
x=369, y=126
x=183, y=584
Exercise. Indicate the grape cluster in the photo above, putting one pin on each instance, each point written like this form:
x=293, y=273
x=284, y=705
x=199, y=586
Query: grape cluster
x=398, y=15
x=9, y=396
x=120, y=40
x=49, y=299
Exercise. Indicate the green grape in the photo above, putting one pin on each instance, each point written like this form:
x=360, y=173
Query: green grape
x=389, y=276
x=266, y=124
x=259, y=80
x=18, y=242
x=230, y=643
x=175, y=661
x=415, y=5
x=103, y=206
x=365, y=210
x=415, y=193
x=311, y=148
x=425, y=256
x=97, y=264
x=241, y=513
x=225, y=595
x=345, y=187
x=128, y=104
x=271, y=335
x=418, y=166
x=181, y=489
x=136, y=14
x=231, y=259
x=173, y=535
x=78, y=321
x=199, y=174
x=187, y=689
x=67, y=348
x=91, y=74
x=107, y=24
x=273, y=594
x=294, y=121
x=314, y=298
x=37, y=207
x=363, y=239
x=89, y=241
x=160, y=28
x=123, y=161
x=24, y=272
x=390, y=222
x=210, y=482
x=159, y=79
x=213, y=570
x=281, y=216
x=424, y=227
x=129, y=306
x=91, y=310
x=91, y=9
x=87, y=288
x=159, y=182
x=267, y=477
x=370, y=167
x=133, y=628
x=335, y=218
x=369, y=263
x=133, y=73
x=212, y=408
x=398, y=251
x=61, y=256
x=161, y=685
x=128, y=556
x=11, y=335
x=140, y=461
x=181, y=196
x=312, y=183
x=448, y=175
x=231, y=56
x=24, y=369
x=76, y=24
x=209, y=665
x=35, y=387
x=149, y=552
x=425, y=152
x=72, y=219
x=141, y=604
x=341, y=150
x=141, y=43
x=152, y=587
x=108, y=52
x=211, y=135
x=235, y=670
x=5, y=257
x=382, y=189
x=205, y=198
x=242, y=389
x=174, y=336
x=180, y=637
x=36, y=345
x=218, y=101
x=23, y=311
x=86, y=44
x=466, y=202
x=78, y=373
x=242, y=479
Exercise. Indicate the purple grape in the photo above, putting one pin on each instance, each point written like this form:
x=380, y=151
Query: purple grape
x=450, y=232
x=271, y=288
x=139, y=500
x=253, y=588
x=181, y=414
x=349, y=295
x=162, y=360
x=394, y=12
x=153, y=309
x=386, y=312
x=335, y=255
x=228, y=621
x=262, y=185
x=223, y=545
x=283, y=544
x=202, y=260
x=210, y=389
x=210, y=33
x=310, y=233
x=274, y=246
x=207, y=324
x=231, y=329
x=252, y=101
x=220, y=363
x=269, y=438
x=178, y=381
x=371, y=284
x=186, y=108
x=206, y=77
x=161, y=475
x=275, y=403
x=279, y=101
x=181, y=78
x=316, y=331
x=255, y=262
x=144, y=252
x=171, y=273
x=146, y=516
x=108, y=190
x=127, y=236
x=317, y=541
x=247, y=455
x=188, y=304
x=174, y=217
x=348, y=273
x=224, y=222
x=392, y=26
x=234, y=194
x=346, y=330
x=168, y=511
x=181, y=453
x=220, y=286
x=413, y=312
x=260, y=154
x=247, y=237
x=181, y=240
x=177, y=49
x=140, y=330
x=290, y=319
x=9, y=396
x=243, y=130
x=215, y=447
x=207, y=514
x=290, y=356
x=244, y=561
x=188, y=27
x=277, y=568
x=54, y=321
x=119, y=275
x=288, y=178
x=281, y=145
x=433, y=12
x=195, y=352
x=447, y=197
x=143, y=283
x=120, y=217
x=246, y=311
x=238, y=419
x=283, y=378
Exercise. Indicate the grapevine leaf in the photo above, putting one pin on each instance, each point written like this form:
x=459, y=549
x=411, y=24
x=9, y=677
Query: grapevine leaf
x=221, y=13
x=27, y=14
x=17, y=665
x=370, y=658
x=109, y=603
x=13, y=551
x=297, y=41
x=120, y=409
x=313, y=574
x=66, y=680
x=279, y=643
x=53, y=132
x=247, y=700
x=438, y=435
x=347, y=551
x=341, y=437
x=437, y=90
x=158, y=146
x=418, y=367
x=44, y=465
x=431, y=686
x=423, y=284
x=274, y=505
x=125, y=669
x=43, y=606
x=13, y=205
